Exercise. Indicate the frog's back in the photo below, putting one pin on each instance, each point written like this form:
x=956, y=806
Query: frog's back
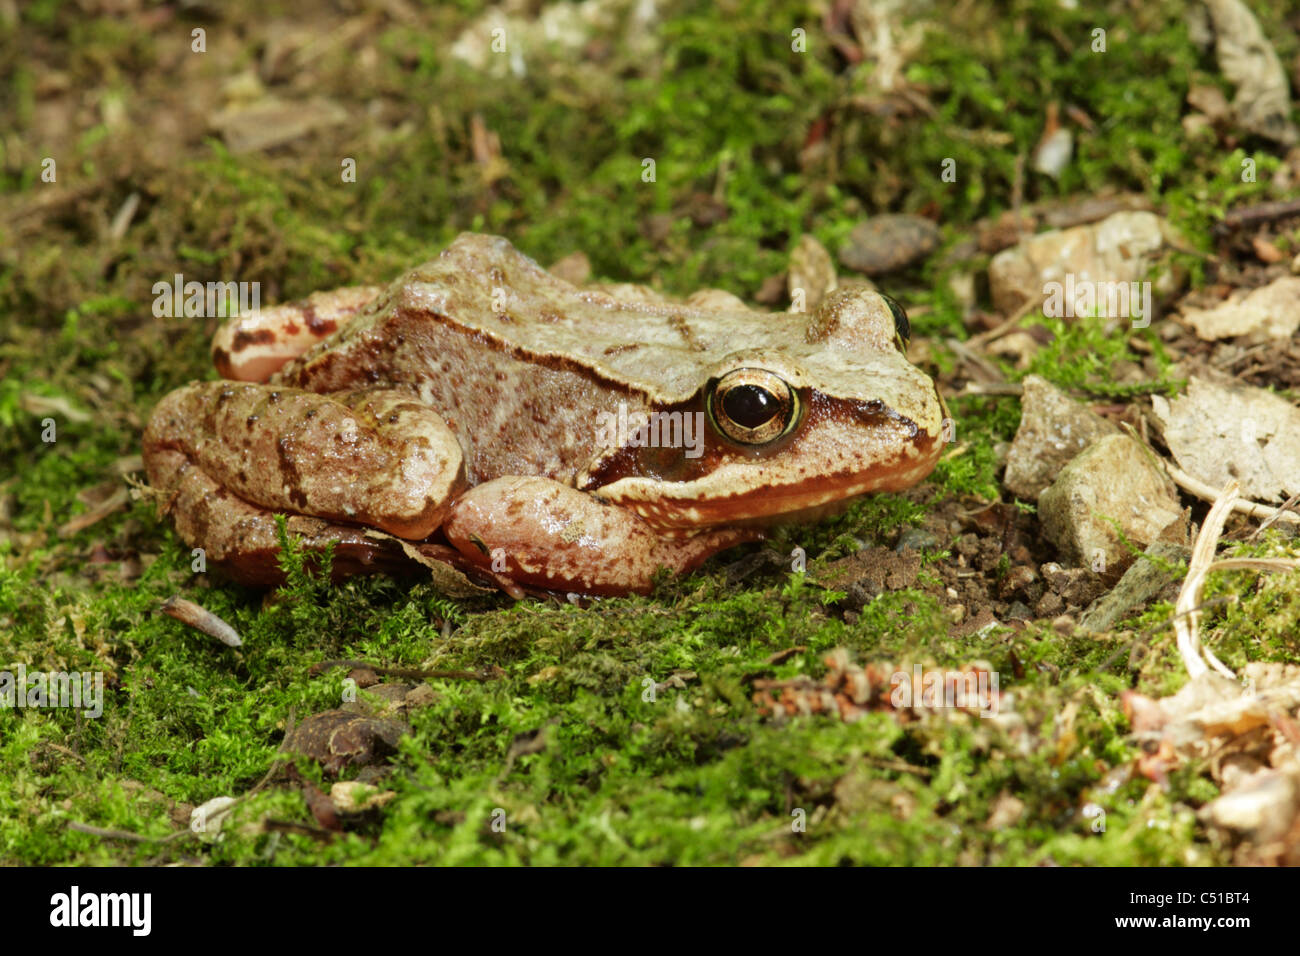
x=624, y=333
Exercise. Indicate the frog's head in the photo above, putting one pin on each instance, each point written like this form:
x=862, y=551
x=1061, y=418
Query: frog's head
x=826, y=409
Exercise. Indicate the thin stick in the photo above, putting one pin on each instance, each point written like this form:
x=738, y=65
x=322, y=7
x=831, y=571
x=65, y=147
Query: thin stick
x=59, y=748
x=275, y=758
x=1187, y=625
x=989, y=371
x=1242, y=505
x=1006, y=325
x=487, y=674
x=270, y=825
x=123, y=834
x=1283, y=510
x=1262, y=212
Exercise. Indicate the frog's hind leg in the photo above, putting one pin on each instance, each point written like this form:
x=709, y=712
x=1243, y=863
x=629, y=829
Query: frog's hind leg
x=373, y=458
x=253, y=347
x=241, y=539
x=542, y=533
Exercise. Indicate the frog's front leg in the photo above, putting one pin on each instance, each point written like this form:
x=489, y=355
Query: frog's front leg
x=546, y=534
x=253, y=347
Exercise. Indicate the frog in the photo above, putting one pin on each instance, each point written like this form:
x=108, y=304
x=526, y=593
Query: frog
x=484, y=415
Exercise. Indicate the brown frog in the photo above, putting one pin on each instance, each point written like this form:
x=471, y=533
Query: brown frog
x=483, y=413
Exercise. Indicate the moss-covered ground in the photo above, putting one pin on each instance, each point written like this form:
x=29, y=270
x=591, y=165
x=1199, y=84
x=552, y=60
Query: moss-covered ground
x=586, y=769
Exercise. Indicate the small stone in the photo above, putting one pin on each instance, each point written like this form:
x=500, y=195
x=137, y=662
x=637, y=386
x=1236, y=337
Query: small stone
x=1049, y=605
x=270, y=122
x=1019, y=348
x=421, y=695
x=1053, y=152
x=889, y=243
x=962, y=286
x=1017, y=580
x=916, y=539
x=1121, y=248
x=1063, y=624
x=1140, y=583
x=1006, y=812
x=1053, y=429
x=1114, y=478
x=1266, y=251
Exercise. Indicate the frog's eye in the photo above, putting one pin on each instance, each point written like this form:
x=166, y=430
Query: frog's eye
x=752, y=406
x=902, y=328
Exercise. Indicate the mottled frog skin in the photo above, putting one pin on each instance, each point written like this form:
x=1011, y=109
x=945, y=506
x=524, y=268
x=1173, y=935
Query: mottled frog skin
x=467, y=414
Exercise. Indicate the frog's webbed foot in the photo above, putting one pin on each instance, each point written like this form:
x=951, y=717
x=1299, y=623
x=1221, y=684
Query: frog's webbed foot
x=542, y=533
x=227, y=456
x=251, y=348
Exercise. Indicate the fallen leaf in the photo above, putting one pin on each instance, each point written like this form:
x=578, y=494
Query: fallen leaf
x=1247, y=60
x=1272, y=310
x=1219, y=433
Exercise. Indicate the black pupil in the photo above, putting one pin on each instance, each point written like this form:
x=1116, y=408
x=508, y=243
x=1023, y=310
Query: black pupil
x=749, y=405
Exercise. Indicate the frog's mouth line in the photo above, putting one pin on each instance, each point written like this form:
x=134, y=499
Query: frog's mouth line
x=688, y=506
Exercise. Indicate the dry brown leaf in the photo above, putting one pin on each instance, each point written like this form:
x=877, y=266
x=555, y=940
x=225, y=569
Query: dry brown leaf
x=1272, y=310
x=1219, y=433
x=1247, y=60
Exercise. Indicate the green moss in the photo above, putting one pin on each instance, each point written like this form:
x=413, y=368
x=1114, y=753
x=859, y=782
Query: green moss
x=696, y=774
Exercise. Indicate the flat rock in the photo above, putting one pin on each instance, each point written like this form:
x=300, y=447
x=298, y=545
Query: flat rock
x=1140, y=583
x=271, y=122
